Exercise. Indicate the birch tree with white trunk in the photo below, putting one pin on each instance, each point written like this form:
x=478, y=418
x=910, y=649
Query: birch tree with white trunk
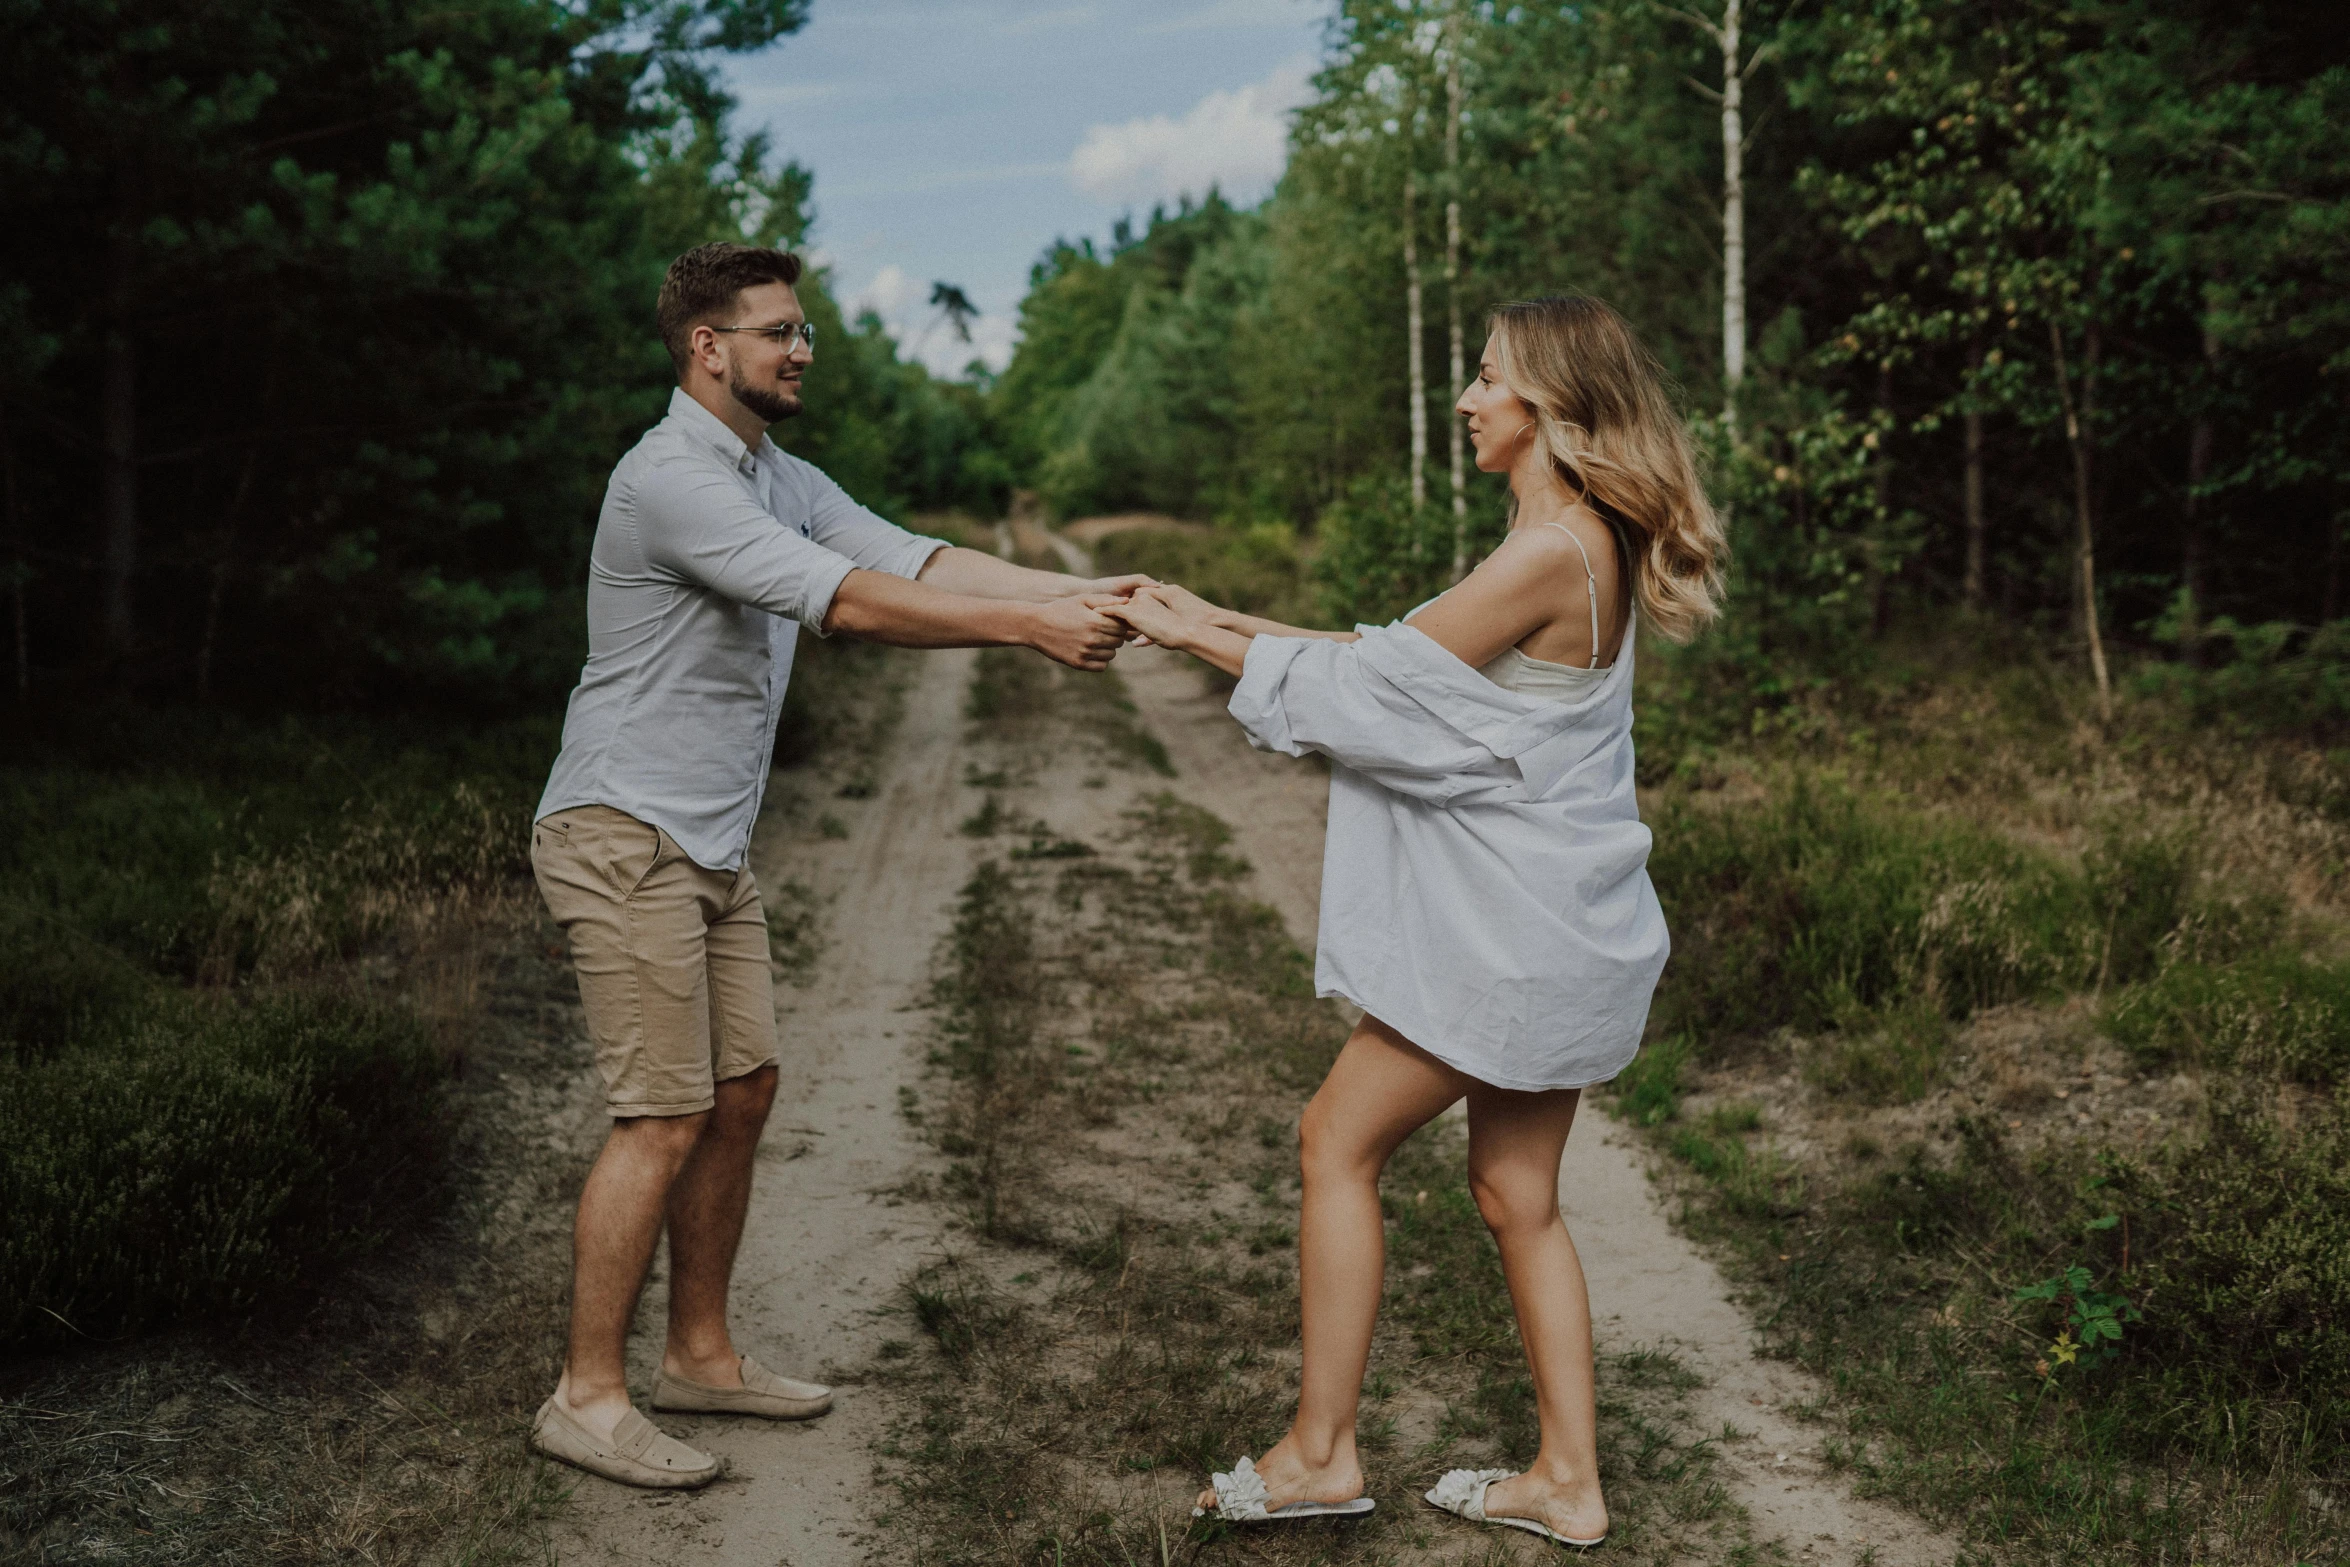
x=1452, y=280
x=1737, y=65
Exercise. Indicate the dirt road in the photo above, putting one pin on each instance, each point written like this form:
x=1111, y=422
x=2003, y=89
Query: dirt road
x=828, y=1243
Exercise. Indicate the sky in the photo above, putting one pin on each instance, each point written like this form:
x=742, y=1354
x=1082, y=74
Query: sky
x=953, y=140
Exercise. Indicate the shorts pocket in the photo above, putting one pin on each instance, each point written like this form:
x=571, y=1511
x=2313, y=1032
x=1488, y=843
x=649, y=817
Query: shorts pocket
x=640, y=847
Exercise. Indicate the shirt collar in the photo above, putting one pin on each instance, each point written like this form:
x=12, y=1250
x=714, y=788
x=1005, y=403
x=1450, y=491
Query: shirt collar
x=707, y=427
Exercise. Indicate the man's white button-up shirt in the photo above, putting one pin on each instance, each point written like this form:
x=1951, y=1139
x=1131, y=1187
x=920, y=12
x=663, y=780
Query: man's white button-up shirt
x=709, y=555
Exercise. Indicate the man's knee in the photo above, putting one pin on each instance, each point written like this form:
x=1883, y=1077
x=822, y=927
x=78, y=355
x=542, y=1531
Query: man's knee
x=664, y=1139
x=744, y=1102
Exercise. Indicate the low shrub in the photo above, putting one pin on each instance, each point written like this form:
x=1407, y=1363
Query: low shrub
x=1822, y=908
x=58, y=985
x=2242, y=1264
x=2274, y=1012
x=2275, y=678
x=213, y=1154
x=170, y=1150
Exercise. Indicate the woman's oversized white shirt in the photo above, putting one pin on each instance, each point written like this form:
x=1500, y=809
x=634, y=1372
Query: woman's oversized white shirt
x=1484, y=884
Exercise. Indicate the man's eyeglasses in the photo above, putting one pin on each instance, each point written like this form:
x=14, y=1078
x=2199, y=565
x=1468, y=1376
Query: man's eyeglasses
x=780, y=336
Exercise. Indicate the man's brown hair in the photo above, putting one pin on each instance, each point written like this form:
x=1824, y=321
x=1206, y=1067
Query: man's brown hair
x=703, y=285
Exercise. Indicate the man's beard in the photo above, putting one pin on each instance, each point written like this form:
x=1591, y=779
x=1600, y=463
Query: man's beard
x=765, y=401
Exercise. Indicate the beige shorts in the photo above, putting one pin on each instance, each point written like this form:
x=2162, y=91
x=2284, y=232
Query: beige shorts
x=672, y=959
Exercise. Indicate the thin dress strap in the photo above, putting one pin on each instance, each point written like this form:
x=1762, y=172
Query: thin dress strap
x=1593, y=578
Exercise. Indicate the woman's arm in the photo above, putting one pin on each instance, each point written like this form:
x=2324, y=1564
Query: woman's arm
x=1192, y=607
x=1149, y=612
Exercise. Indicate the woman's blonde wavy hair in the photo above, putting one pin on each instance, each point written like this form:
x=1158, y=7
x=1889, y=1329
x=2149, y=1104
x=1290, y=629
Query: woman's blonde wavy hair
x=1603, y=421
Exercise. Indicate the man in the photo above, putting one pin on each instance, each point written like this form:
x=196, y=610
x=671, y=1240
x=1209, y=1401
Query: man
x=713, y=548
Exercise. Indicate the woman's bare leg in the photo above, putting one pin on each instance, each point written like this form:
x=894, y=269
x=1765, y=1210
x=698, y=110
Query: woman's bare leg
x=1381, y=1089
x=1515, y=1141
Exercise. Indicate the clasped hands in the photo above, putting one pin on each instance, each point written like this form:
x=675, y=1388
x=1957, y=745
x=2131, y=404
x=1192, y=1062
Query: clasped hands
x=1123, y=610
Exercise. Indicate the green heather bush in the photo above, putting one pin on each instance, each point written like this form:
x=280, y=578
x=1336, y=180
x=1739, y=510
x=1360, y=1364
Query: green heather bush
x=169, y=1150
x=213, y=1154
x=2243, y=1267
x=2275, y=1012
x=2277, y=677
x=58, y=985
x=1823, y=908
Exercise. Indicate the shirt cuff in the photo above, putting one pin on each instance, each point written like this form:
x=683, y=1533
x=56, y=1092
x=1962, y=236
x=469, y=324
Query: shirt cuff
x=919, y=551
x=823, y=584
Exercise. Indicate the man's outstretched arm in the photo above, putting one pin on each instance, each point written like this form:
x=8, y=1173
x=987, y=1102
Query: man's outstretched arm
x=981, y=575
x=878, y=607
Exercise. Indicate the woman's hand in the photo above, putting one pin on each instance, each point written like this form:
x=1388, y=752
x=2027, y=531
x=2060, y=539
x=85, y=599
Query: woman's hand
x=1190, y=605
x=1164, y=615
x=1151, y=613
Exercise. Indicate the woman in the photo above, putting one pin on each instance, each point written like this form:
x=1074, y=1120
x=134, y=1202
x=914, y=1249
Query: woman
x=1485, y=898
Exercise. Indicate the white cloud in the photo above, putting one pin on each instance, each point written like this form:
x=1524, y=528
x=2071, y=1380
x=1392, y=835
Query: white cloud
x=889, y=294
x=924, y=334
x=1237, y=139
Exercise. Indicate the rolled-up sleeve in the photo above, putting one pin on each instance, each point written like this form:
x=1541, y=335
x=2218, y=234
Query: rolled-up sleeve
x=875, y=543
x=697, y=522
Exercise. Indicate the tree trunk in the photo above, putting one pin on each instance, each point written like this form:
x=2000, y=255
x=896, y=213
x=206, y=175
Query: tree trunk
x=210, y=639
x=118, y=404
x=2077, y=413
x=1412, y=325
x=2191, y=591
x=1880, y=581
x=1733, y=222
x=1972, y=591
x=1452, y=284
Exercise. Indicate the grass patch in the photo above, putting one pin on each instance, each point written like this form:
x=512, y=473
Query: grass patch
x=2049, y=1050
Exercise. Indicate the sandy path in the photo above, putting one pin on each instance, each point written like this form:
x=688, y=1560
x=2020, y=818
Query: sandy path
x=1649, y=1285
x=827, y=1244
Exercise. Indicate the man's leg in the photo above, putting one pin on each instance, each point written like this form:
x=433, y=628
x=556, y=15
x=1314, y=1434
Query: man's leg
x=712, y=1196
x=620, y=1214
x=707, y=1205
x=636, y=912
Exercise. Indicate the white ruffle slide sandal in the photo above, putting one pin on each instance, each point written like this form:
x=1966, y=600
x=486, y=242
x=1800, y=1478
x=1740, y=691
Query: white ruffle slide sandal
x=1240, y=1498
x=1463, y=1491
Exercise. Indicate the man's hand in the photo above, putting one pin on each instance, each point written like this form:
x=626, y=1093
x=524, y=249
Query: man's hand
x=1122, y=587
x=1076, y=631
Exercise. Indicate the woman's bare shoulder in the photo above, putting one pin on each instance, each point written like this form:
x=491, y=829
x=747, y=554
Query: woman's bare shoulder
x=1545, y=549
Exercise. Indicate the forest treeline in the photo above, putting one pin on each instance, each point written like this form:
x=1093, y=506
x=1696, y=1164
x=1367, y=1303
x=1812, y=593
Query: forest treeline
x=2025, y=305
x=321, y=325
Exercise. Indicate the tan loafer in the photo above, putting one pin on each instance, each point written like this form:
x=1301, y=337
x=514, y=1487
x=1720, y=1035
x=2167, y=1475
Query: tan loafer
x=763, y=1393
x=640, y=1453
